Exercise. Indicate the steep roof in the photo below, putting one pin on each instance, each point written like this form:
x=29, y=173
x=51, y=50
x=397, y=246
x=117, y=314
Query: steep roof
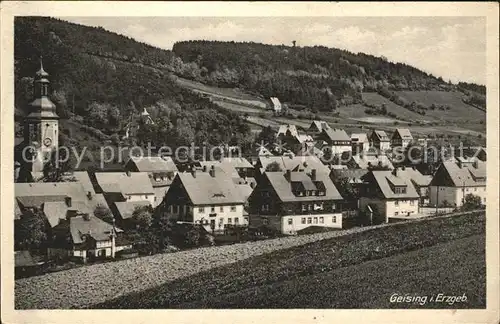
x=288, y=127
x=469, y=174
x=56, y=210
x=237, y=162
x=384, y=179
x=126, y=183
x=83, y=178
x=126, y=208
x=35, y=194
x=404, y=133
x=275, y=101
x=413, y=174
x=283, y=187
x=381, y=135
x=98, y=229
x=203, y=189
x=359, y=138
x=154, y=164
x=336, y=134
x=319, y=124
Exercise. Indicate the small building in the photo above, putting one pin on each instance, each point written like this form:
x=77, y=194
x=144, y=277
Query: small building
x=317, y=127
x=125, y=209
x=359, y=142
x=85, y=237
x=146, y=118
x=292, y=201
x=276, y=105
x=125, y=186
x=209, y=198
x=337, y=140
x=386, y=195
x=287, y=130
x=420, y=182
x=455, y=179
x=380, y=140
x=401, y=138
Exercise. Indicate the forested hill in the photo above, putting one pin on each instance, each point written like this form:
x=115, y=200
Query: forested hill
x=105, y=78
x=312, y=76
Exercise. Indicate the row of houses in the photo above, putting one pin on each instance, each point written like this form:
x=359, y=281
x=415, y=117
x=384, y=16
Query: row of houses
x=324, y=138
x=302, y=192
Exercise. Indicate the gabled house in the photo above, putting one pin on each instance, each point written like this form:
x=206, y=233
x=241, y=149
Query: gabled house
x=454, y=180
x=84, y=237
x=401, y=138
x=125, y=186
x=210, y=198
x=292, y=201
x=291, y=162
x=337, y=140
x=287, y=130
x=317, y=126
x=420, y=182
x=359, y=142
x=380, y=140
x=146, y=118
x=388, y=194
x=161, y=172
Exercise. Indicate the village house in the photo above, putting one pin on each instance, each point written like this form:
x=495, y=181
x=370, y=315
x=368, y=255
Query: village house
x=124, y=210
x=387, y=195
x=125, y=186
x=380, y=140
x=294, y=200
x=276, y=105
x=317, y=127
x=337, y=141
x=420, y=182
x=287, y=130
x=359, y=142
x=209, y=198
x=401, y=138
x=85, y=237
x=146, y=118
x=161, y=172
x=454, y=180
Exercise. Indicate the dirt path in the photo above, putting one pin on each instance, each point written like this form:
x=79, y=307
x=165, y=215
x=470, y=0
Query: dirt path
x=96, y=283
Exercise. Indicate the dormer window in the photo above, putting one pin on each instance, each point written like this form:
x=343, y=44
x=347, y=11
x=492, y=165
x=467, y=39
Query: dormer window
x=400, y=190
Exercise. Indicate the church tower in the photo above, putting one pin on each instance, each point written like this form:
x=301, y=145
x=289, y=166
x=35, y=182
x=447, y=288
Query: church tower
x=41, y=126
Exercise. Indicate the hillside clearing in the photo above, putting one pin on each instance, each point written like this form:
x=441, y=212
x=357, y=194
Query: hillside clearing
x=301, y=262
x=377, y=100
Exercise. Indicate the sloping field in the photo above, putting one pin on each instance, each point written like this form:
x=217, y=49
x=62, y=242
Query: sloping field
x=376, y=99
x=237, y=107
x=313, y=274
x=84, y=286
x=231, y=94
x=459, y=110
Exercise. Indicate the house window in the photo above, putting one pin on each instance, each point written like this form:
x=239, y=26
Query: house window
x=221, y=221
x=221, y=209
x=176, y=209
x=309, y=220
x=290, y=221
x=303, y=220
x=311, y=207
x=236, y=220
x=321, y=220
x=233, y=208
x=170, y=209
x=201, y=210
x=334, y=219
x=396, y=203
x=229, y=220
x=212, y=209
x=334, y=207
x=396, y=213
x=265, y=207
x=315, y=220
x=475, y=189
x=304, y=207
x=265, y=221
x=412, y=202
x=146, y=196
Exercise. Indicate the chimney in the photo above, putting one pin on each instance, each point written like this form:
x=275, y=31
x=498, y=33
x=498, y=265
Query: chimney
x=67, y=200
x=89, y=195
x=193, y=172
x=212, y=171
x=288, y=174
x=475, y=164
x=204, y=168
x=252, y=185
x=313, y=174
x=128, y=173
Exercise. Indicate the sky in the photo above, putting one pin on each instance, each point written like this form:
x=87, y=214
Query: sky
x=451, y=47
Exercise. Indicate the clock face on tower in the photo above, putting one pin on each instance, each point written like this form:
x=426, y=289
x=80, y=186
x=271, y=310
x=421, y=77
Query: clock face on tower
x=47, y=141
